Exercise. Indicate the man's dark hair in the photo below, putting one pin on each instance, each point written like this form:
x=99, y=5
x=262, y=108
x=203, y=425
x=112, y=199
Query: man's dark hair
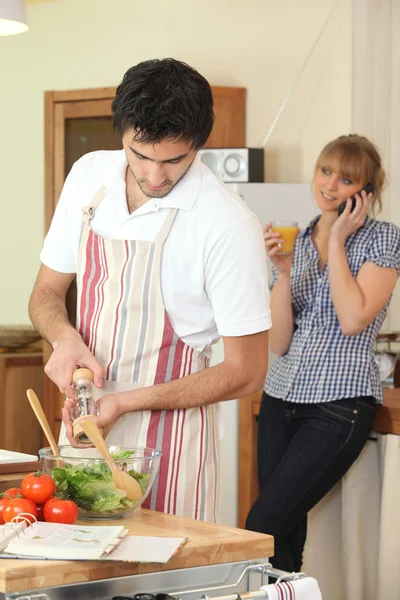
x=160, y=99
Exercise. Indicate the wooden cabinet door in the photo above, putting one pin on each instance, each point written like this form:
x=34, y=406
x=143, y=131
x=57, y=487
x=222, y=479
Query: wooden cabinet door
x=79, y=121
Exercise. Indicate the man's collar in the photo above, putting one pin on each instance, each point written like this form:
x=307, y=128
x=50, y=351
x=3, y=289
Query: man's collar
x=183, y=195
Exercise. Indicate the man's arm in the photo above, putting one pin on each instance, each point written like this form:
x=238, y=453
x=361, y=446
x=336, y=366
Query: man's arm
x=47, y=309
x=48, y=314
x=241, y=373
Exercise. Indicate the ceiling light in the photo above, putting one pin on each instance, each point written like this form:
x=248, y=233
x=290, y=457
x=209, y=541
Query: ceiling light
x=12, y=17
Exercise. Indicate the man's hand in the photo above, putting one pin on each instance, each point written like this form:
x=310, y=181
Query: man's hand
x=69, y=353
x=109, y=413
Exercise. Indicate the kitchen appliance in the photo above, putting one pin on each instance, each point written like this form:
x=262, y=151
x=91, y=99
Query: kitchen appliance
x=235, y=165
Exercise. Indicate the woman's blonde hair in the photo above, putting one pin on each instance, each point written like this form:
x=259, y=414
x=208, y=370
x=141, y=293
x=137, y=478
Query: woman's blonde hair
x=357, y=159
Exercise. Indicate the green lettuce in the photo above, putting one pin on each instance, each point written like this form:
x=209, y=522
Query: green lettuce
x=92, y=488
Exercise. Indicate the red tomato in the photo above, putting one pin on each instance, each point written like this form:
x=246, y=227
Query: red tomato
x=3, y=501
x=38, y=487
x=13, y=492
x=16, y=506
x=60, y=511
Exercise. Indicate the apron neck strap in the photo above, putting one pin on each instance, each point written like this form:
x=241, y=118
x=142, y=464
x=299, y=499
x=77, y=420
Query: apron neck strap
x=166, y=226
x=88, y=211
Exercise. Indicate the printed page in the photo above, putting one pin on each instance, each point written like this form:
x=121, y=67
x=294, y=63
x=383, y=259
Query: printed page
x=138, y=548
x=77, y=542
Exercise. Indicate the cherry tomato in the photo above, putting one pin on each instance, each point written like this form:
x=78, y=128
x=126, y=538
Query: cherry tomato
x=60, y=511
x=13, y=492
x=3, y=502
x=16, y=506
x=38, y=487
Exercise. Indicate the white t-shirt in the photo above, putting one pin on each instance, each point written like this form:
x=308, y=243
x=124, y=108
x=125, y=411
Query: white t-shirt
x=214, y=277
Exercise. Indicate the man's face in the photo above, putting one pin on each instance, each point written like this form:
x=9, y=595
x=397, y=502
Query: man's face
x=157, y=168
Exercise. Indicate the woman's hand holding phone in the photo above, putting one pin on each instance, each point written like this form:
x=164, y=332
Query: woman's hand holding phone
x=368, y=189
x=351, y=219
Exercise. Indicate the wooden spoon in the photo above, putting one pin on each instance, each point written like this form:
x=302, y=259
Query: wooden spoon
x=122, y=480
x=41, y=417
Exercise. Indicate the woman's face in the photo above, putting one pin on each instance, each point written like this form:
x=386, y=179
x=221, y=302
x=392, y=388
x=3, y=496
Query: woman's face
x=331, y=188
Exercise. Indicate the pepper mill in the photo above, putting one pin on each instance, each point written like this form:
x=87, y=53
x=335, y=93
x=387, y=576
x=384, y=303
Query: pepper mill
x=85, y=404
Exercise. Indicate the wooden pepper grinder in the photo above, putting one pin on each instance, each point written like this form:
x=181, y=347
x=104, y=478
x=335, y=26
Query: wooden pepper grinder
x=82, y=383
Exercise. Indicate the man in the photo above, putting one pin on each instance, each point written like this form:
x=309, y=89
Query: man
x=167, y=260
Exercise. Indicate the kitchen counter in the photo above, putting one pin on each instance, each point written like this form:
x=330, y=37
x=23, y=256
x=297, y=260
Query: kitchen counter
x=19, y=428
x=388, y=415
x=207, y=544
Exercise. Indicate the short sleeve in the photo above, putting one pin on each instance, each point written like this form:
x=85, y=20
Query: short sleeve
x=60, y=245
x=384, y=250
x=236, y=280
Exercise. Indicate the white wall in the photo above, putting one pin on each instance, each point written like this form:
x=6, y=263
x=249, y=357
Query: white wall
x=258, y=44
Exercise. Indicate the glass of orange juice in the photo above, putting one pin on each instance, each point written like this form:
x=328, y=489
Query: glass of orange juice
x=288, y=231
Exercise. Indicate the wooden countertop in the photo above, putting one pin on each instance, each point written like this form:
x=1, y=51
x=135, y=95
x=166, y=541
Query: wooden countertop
x=207, y=544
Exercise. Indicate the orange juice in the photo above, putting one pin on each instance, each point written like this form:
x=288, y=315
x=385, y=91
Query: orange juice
x=288, y=231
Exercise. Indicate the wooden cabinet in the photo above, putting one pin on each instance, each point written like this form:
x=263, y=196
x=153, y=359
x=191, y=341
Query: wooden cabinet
x=19, y=428
x=79, y=121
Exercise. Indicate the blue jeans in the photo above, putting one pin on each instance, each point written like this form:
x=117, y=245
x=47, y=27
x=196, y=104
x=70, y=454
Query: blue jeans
x=303, y=451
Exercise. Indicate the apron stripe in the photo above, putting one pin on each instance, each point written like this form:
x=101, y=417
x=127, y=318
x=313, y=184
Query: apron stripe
x=164, y=472
x=92, y=283
x=88, y=306
x=169, y=373
x=185, y=361
x=117, y=312
x=175, y=368
x=179, y=447
x=163, y=354
x=201, y=414
x=144, y=315
x=151, y=442
x=125, y=293
x=291, y=589
x=208, y=436
x=215, y=458
x=100, y=293
x=172, y=495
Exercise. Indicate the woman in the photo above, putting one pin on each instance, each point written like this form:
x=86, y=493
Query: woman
x=329, y=300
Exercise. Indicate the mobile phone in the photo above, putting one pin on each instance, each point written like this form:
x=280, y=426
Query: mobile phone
x=368, y=189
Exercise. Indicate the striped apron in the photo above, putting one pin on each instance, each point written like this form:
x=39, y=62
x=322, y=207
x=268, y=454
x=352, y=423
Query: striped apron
x=122, y=319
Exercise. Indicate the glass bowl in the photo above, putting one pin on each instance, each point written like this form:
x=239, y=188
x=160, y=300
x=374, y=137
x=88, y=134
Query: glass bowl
x=83, y=476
